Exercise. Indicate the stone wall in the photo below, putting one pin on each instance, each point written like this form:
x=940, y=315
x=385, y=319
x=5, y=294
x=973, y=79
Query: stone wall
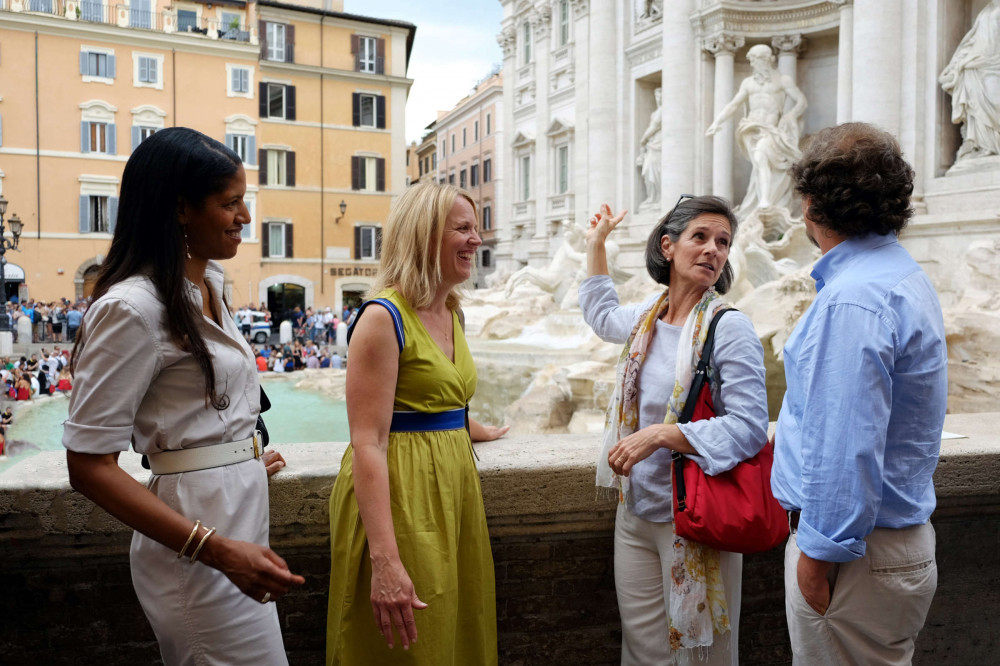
x=67, y=595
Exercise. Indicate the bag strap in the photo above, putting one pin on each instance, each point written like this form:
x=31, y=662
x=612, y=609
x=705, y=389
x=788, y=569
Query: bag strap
x=697, y=385
x=701, y=371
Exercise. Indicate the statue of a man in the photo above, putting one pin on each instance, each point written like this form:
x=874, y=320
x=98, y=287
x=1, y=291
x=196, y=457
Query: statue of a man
x=768, y=135
x=972, y=78
x=650, y=152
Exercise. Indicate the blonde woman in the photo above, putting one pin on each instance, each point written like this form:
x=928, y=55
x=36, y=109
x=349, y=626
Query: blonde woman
x=408, y=529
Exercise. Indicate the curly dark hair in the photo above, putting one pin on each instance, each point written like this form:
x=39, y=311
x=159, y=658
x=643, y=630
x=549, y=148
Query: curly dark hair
x=675, y=223
x=856, y=180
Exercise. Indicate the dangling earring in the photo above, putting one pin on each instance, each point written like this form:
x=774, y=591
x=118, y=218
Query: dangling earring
x=187, y=248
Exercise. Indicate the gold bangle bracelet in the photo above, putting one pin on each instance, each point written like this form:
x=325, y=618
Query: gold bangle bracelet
x=187, y=543
x=201, y=543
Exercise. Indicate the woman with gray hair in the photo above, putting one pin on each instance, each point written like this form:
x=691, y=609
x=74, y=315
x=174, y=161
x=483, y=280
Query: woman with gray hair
x=679, y=600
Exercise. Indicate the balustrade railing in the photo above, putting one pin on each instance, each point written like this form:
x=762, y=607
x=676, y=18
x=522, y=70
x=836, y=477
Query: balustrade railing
x=125, y=15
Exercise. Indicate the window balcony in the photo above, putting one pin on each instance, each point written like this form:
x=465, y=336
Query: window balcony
x=124, y=15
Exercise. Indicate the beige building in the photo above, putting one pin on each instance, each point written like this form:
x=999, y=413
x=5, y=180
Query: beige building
x=426, y=153
x=469, y=142
x=312, y=100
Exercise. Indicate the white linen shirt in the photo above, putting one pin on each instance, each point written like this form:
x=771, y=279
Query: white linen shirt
x=133, y=385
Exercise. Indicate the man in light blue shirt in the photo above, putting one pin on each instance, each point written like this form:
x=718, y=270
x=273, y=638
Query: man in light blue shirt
x=859, y=432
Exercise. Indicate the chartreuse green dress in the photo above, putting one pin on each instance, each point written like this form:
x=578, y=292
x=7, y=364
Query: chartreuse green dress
x=437, y=513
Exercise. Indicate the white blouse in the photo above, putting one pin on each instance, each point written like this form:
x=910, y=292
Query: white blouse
x=133, y=385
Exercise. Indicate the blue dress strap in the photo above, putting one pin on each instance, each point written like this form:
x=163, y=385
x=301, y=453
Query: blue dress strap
x=397, y=319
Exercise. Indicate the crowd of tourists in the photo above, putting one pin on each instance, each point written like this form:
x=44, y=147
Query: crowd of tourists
x=856, y=443
x=55, y=321
x=296, y=356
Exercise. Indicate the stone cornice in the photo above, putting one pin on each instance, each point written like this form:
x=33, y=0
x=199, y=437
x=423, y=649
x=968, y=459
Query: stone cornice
x=761, y=20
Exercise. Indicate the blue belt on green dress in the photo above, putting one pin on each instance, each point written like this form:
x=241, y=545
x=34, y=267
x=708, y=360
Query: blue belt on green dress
x=453, y=419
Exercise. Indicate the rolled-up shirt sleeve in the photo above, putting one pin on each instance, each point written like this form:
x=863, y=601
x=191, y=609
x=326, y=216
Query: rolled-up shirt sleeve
x=740, y=431
x=116, y=365
x=611, y=321
x=848, y=401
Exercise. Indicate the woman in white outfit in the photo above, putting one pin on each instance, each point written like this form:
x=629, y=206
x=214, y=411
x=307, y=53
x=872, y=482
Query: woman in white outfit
x=679, y=601
x=161, y=366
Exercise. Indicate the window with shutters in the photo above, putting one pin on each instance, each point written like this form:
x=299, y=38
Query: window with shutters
x=277, y=167
x=98, y=138
x=487, y=216
x=99, y=222
x=461, y=179
x=487, y=170
x=277, y=240
x=369, y=54
x=97, y=64
x=474, y=175
x=366, y=54
x=239, y=81
x=275, y=100
x=147, y=70
x=275, y=34
x=98, y=204
x=97, y=129
x=367, y=242
x=368, y=110
x=367, y=173
x=240, y=144
x=143, y=133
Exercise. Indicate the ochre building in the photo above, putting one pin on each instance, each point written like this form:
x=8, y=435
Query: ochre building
x=312, y=99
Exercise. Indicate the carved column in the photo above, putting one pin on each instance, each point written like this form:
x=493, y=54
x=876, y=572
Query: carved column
x=541, y=31
x=877, y=96
x=845, y=62
x=677, y=171
x=504, y=162
x=602, y=149
x=789, y=48
x=723, y=47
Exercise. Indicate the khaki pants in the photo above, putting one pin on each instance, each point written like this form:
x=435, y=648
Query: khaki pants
x=879, y=602
x=643, y=559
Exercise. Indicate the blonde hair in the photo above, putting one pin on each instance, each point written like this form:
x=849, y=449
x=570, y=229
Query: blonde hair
x=411, y=243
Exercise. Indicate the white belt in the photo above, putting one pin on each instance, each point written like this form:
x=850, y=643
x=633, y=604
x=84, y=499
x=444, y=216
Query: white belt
x=206, y=457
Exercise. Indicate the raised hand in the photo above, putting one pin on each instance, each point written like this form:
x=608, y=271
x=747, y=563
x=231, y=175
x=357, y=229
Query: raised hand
x=602, y=224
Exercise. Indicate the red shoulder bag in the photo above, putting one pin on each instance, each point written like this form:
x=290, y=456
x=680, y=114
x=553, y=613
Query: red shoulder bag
x=733, y=511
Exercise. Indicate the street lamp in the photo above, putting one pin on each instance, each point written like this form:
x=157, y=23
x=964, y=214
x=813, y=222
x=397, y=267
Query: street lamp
x=343, y=211
x=15, y=229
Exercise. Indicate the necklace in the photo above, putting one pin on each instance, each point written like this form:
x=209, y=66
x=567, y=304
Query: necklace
x=432, y=321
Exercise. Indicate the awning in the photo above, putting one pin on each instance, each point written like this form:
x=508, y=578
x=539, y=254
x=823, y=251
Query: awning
x=13, y=272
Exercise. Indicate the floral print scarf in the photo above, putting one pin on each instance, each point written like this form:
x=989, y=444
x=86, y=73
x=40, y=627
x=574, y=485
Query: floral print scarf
x=697, y=600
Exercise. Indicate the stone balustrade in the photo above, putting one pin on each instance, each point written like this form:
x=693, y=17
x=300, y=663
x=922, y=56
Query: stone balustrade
x=68, y=594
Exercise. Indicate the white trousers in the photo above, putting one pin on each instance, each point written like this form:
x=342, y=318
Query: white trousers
x=642, y=581
x=879, y=602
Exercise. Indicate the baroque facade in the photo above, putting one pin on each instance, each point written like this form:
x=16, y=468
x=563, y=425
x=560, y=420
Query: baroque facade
x=312, y=99
x=580, y=90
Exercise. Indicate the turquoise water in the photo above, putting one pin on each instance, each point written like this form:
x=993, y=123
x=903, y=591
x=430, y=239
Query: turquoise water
x=296, y=415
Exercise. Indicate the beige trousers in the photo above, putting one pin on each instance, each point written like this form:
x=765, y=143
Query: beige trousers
x=879, y=602
x=642, y=581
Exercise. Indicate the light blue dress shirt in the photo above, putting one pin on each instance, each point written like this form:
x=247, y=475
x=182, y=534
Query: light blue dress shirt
x=740, y=396
x=859, y=432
